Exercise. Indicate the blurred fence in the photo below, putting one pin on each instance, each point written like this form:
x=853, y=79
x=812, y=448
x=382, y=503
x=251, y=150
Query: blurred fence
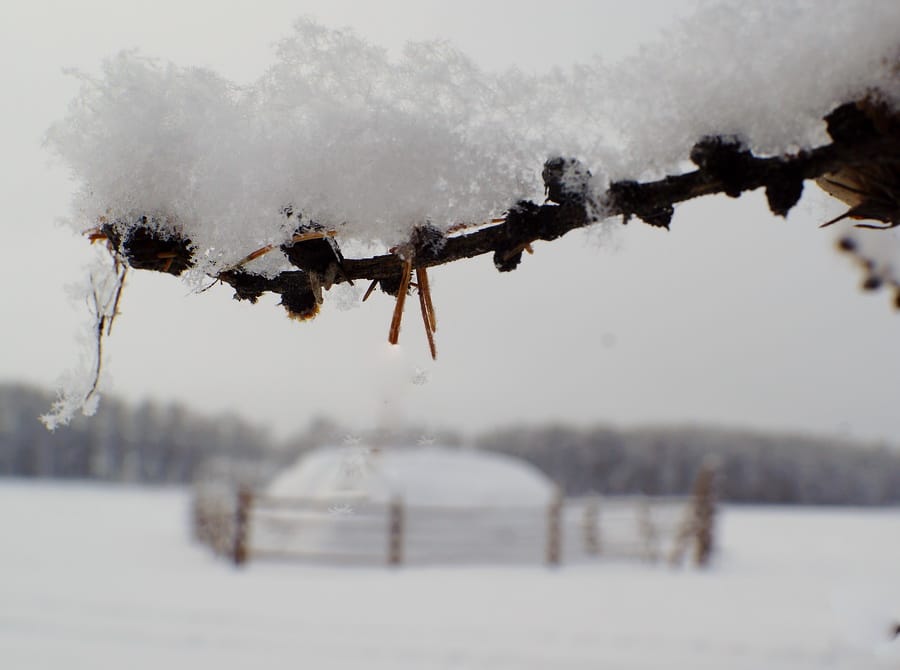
x=247, y=526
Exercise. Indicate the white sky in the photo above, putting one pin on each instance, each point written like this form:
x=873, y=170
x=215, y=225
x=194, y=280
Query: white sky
x=733, y=317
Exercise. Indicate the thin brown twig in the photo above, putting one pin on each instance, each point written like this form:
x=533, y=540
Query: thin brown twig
x=101, y=326
x=262, y=251
x=120, y=285
x=370, y=290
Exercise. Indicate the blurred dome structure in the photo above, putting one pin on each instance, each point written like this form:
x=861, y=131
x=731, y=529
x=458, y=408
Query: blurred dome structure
x=427, y=475
x=442, y=504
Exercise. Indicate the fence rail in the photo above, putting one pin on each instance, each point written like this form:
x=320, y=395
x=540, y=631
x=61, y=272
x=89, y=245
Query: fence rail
x=246, y=526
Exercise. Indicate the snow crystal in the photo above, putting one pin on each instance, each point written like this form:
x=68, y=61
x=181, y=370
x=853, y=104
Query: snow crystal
x=73, y=395
x=345, y=297
x=420, y=376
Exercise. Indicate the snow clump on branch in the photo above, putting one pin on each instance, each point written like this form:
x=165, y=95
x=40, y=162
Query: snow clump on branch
x=371, y=147
x=335, y=130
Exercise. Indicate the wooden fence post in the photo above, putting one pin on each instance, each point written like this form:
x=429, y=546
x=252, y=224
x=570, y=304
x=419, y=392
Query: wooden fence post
x=395, y=532
x=699, y=525
x=647, y=530
x=240, y=554
x=590, y=527
x=705, y=513
x=554, y=530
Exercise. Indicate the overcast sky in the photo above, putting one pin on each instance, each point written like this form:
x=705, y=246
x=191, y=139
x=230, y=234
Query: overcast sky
x=733, y=317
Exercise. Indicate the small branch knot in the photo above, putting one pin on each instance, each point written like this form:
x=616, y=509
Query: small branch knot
x=723, y=159
x=566, y=181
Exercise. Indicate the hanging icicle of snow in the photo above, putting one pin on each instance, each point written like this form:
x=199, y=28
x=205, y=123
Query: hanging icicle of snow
x=79, y=389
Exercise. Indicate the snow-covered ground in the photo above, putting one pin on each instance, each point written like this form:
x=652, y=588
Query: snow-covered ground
x=95, y=577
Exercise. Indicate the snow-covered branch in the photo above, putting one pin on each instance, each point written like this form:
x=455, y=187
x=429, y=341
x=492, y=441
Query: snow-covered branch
x=723, y=166
x=291, y=183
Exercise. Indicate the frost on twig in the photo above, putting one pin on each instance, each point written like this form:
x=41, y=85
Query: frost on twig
x=79, y=389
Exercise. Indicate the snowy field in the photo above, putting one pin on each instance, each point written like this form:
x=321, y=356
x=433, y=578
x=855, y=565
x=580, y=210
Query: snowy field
x=95, y=577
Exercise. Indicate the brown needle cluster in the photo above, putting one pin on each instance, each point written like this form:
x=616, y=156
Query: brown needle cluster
x=422, y=238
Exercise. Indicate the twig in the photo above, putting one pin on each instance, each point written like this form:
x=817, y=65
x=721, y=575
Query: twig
x=98, y=351
x=549, y=221
x=118, y=296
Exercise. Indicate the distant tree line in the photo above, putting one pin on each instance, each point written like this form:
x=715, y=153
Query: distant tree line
x=146, y=443
x=753, y=467
x=153, y=443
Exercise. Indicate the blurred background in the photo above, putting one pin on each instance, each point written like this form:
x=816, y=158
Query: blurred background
x=613, y=367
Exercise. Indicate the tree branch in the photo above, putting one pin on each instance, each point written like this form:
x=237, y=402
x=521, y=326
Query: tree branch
x=723, y=166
